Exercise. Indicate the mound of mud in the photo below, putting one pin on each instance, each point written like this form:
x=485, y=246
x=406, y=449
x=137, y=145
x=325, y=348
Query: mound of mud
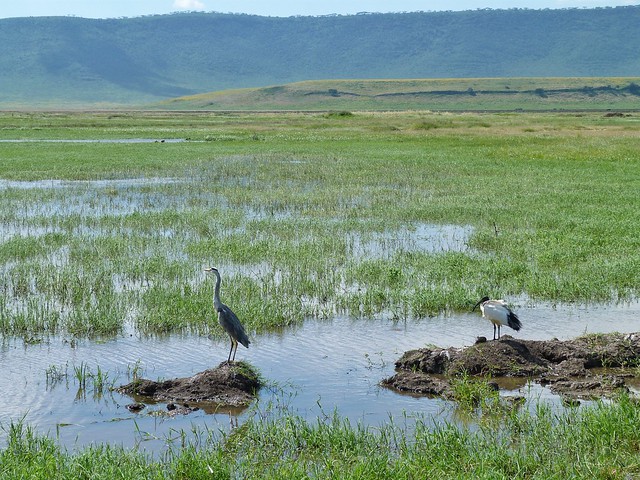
x=228, y=385
x=587, y=367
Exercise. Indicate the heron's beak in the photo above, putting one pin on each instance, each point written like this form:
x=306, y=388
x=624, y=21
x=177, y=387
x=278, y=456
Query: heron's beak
x=476, y=305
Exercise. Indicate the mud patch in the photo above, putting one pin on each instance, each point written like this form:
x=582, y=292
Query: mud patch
x=227, y=385
x=588, y=367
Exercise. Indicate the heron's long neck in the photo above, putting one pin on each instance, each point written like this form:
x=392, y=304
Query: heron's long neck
x=216, y=292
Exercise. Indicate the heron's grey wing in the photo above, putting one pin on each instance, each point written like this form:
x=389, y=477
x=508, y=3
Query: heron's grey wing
x=232, y=325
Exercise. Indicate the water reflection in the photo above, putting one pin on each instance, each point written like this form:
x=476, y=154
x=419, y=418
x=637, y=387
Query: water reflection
x=102, y=183
x=88, y=199
x=418, y=237
x=311, y=370
x=95, y=140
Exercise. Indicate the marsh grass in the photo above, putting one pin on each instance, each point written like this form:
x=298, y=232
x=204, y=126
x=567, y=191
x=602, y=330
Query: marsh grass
x=82, y=374
x=56, y=374
x=599, y=441
x=100, y=381
x=320, y=216
x=475, y=394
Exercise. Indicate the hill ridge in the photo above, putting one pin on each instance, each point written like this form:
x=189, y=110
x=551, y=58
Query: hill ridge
x=140, y=60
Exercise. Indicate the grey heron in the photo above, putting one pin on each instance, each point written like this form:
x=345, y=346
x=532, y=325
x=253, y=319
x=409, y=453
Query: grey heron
x=499, y=314
x=227, y=319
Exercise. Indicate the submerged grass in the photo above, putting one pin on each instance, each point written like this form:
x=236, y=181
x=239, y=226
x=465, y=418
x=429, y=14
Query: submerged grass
x=526, y=443
x=309, y=215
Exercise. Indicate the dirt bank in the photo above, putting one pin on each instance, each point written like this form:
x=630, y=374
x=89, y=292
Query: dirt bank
x=227, y=385
x=592, y=366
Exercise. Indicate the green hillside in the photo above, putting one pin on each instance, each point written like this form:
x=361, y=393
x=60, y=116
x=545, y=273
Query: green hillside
x=68, y=61
x=430, y=94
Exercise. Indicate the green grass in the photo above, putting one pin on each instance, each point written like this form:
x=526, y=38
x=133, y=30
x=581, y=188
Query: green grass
x=472, y=394
x=309, y=215
x=596, y=442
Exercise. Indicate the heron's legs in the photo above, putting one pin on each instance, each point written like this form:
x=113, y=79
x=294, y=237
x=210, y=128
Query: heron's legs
x=494, y=332
x=230, y=350
x=235, y=344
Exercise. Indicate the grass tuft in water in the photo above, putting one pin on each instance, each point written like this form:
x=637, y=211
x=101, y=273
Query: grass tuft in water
x=472, y=394
x=100, y=381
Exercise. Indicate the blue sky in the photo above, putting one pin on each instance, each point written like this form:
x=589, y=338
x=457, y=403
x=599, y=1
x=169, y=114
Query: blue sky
x=280, y=8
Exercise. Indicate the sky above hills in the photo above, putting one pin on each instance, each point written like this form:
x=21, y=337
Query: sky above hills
x=279, y=8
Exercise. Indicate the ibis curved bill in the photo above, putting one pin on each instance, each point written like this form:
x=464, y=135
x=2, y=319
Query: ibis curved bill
x=498, y=313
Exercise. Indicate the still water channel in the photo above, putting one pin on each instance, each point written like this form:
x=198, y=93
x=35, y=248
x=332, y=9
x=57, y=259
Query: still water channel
x=312, y=370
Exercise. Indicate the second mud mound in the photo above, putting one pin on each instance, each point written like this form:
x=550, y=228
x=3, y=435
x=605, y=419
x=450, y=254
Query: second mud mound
x=586, y=367
x=229, y=384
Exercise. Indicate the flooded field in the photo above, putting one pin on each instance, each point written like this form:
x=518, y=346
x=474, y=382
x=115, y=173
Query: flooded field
x=103, y=279
x=310, y=370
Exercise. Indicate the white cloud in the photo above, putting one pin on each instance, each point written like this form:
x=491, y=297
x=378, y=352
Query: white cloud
x=188, y=5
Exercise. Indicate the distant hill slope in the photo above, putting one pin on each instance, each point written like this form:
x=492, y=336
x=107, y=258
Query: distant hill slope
x=536, y=93
x=58, y=61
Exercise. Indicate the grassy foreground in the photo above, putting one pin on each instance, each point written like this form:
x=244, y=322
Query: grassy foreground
x=309, y=215
x=597, y=442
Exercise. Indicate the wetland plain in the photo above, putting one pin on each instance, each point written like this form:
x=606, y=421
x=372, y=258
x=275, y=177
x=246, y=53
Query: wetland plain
x=342, y=240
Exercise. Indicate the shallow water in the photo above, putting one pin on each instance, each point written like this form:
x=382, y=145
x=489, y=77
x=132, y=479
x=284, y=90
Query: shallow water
x=103, y=183
x=89, y=199
x=419, y=237
x=311, y=370
x=96, y=140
